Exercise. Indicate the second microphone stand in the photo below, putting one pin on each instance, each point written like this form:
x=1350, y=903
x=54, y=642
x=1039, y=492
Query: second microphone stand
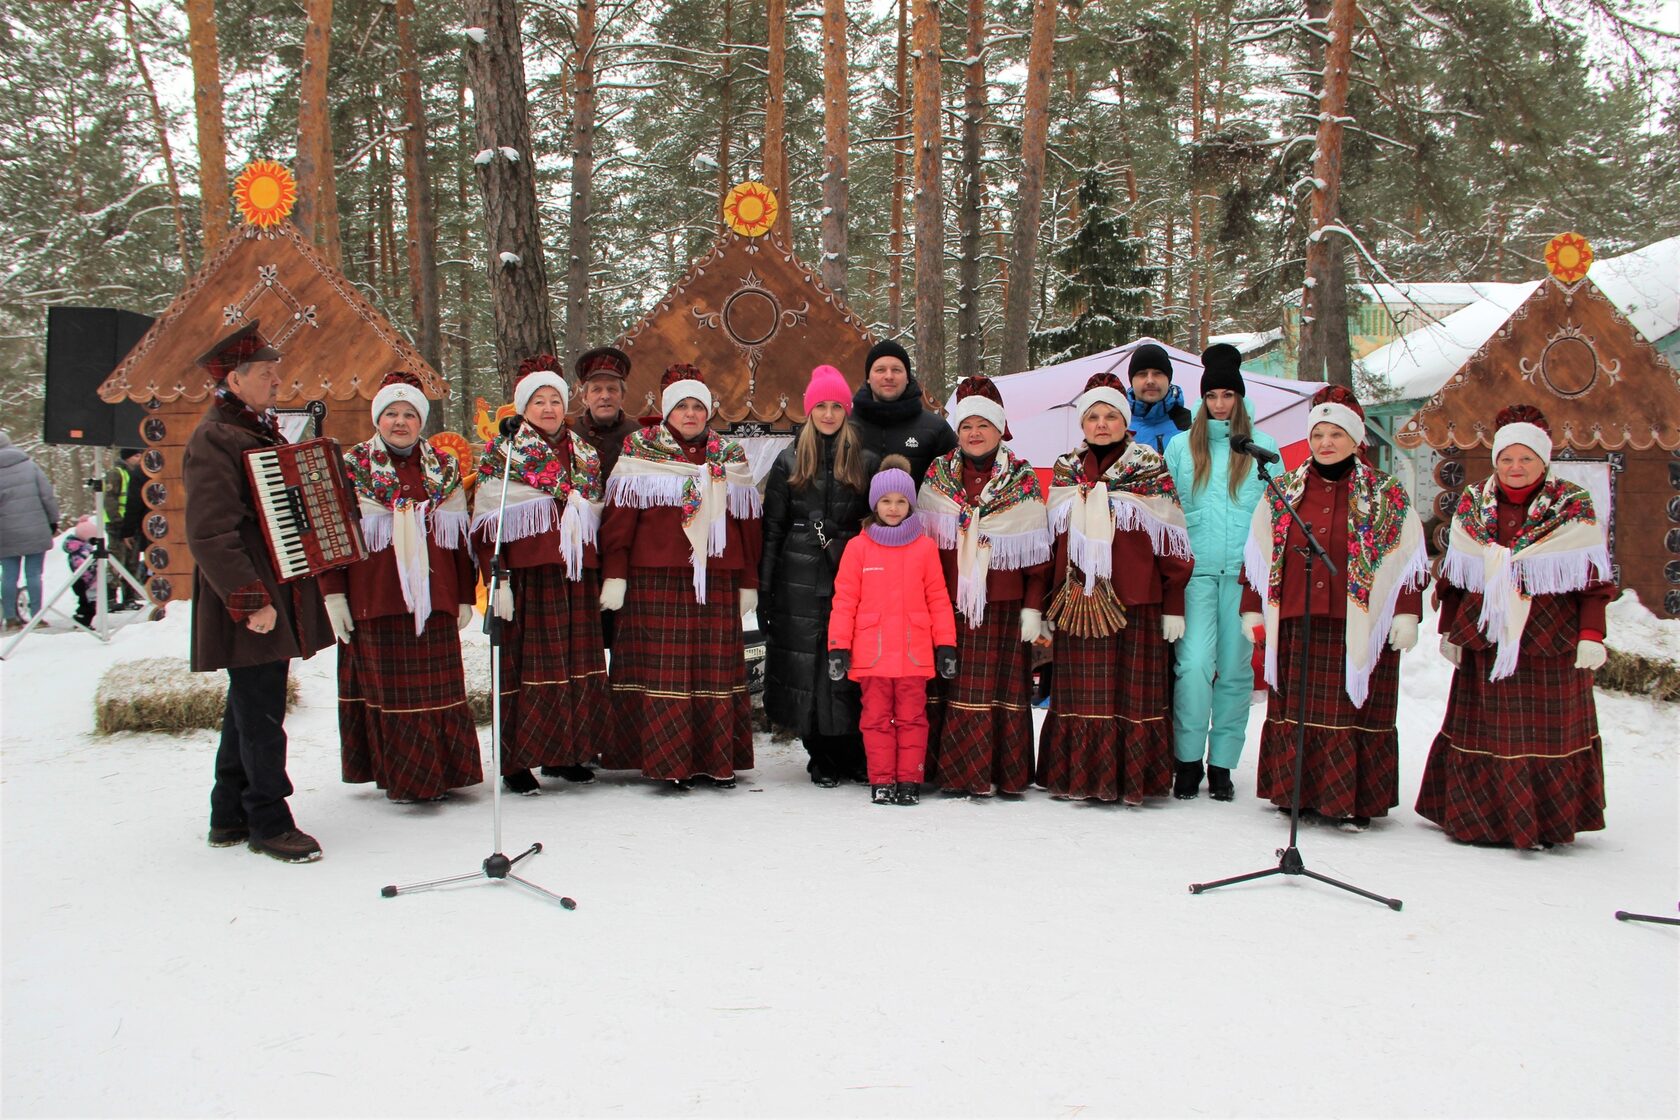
x=1289, y=859
x=496, y=868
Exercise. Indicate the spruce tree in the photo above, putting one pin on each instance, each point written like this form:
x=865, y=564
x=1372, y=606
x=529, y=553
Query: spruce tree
x=1104, y=284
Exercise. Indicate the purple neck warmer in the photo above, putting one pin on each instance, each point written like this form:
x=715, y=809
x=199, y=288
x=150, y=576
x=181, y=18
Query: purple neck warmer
x=896, y=536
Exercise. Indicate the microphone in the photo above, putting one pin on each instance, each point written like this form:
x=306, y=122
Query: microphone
x=510, y=425
x=1247, y=446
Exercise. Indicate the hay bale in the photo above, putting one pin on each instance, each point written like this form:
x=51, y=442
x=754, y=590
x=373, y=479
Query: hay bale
x=1641, y=674
x=477, y=667
x=163, y=694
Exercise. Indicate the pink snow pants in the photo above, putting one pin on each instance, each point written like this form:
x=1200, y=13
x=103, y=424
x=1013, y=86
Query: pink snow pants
x=895, y=728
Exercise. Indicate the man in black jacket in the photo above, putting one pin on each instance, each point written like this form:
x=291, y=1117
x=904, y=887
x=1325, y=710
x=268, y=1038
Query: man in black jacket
x=890, y=415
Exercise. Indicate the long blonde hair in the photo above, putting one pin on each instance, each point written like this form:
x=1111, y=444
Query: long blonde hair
x=848, y=457
x=1241, y=462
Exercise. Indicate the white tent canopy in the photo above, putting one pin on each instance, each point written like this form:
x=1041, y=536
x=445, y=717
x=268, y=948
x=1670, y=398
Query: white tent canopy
x=1039, y=402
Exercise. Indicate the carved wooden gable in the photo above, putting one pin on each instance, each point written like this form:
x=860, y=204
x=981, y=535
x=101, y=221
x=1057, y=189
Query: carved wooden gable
x=1569, y=351
x=756, y=321
x=334, y=344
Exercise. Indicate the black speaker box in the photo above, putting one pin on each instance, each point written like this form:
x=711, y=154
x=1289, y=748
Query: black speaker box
x=84, y=344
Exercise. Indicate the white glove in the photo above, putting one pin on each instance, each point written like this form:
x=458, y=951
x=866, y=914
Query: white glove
x=1032, y=624
x=1402, y=636
x=338, y=613
x=463, y=617
x=612, y=593
x=1172, y=627
x=1590, y=655
x=749, y=600
x=1454, y=654
x=503, y=606
x=1251, y=621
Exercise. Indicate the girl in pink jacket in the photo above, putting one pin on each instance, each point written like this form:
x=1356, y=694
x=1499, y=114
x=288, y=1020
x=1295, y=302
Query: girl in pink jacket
x=890, y=629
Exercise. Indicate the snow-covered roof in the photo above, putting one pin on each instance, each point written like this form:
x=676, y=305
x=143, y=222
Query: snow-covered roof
x=1645, y=286
x=1439, y=294
x=1419, y=362
x=1247, y=342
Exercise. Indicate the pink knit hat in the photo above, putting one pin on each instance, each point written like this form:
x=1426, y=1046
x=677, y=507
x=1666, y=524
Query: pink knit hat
x=828, y=384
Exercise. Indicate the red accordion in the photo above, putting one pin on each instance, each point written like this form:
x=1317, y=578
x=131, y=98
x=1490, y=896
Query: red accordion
x=306, y=507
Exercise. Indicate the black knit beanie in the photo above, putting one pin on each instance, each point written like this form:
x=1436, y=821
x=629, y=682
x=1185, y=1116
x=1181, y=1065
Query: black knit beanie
x=887, y=348
x=1149, y=356
x=1221, y=364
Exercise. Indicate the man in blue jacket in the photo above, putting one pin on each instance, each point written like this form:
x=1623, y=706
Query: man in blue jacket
x=1158, y=412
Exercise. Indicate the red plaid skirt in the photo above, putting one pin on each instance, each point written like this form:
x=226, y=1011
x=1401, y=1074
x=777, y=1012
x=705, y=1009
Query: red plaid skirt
x=1108, y=736
x=983, y=729
x=554, y=672
x=679, y=678
x=1517, y=761
x=1353, y=754
x=403, y=720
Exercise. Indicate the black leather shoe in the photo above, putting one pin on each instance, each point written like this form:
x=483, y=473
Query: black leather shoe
x=230, y=836
x=579, y=775
x=521, y=781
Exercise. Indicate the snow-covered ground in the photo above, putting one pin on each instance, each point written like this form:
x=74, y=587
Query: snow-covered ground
x=786, y=950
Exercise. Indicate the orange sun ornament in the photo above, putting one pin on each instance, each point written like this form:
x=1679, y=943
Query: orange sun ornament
x=455, y=444
x=1568, y=256
x=750, y=209
x=265, y=193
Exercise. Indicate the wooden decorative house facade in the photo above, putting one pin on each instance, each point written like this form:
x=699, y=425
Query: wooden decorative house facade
x=335, y=347
x=754, y=318
x=1613, y=404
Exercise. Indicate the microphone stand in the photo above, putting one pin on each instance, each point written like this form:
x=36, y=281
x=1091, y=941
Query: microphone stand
x=1624, y=916
x=496, y=868
x=1289, y=859
x=103, y=564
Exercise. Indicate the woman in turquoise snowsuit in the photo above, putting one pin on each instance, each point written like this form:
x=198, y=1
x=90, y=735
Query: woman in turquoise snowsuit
x=1219, y=490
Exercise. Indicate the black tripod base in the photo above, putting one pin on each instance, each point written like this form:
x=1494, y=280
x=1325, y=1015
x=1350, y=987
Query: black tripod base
x=1291, y=863
x=496, y=868
x=1624, y=916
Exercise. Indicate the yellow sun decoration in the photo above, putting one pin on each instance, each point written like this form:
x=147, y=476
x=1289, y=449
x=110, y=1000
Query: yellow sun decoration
x=750, y=209
x=265, y=193
x=1568, y=256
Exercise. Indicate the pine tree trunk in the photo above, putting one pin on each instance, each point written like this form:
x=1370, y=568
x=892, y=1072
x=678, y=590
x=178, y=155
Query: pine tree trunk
x=968, y=214
x=207, y=108
x=422, y=215
x=726, y=109
x=1035, y=127
x=836, y=145
x=1193, y=257
x=162, y=129
x=895, y=238
x=578, y=255
x=313, y=144
x=1325, y=354
x=466, y=277
x=518, y=278
x=929, y=201
x=775, y=115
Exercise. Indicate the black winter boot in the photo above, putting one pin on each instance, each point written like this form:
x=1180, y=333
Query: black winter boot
x=881, y=795
x=1220, y=786
x=1187, y=780
x=908, y=793
x=521, y=781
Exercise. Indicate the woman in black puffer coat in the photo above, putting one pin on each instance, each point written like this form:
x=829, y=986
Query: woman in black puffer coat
x=815, y=500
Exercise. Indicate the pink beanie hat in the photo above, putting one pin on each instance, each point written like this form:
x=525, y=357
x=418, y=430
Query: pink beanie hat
x=828, y=384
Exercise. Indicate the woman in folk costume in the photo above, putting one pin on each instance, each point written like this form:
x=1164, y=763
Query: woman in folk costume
x=1213, y=667
x=1121, y=565
x=403, y=720
x=1365, y=614
x=984, y=509
x=1523, y=587
x=553, y=667
x=815, y=500
x=680, y=550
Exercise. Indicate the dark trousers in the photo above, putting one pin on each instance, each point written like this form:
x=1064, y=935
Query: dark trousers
x=251, y=784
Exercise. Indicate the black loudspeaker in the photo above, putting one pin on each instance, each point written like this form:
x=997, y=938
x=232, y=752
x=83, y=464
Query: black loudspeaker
x=84, y=344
